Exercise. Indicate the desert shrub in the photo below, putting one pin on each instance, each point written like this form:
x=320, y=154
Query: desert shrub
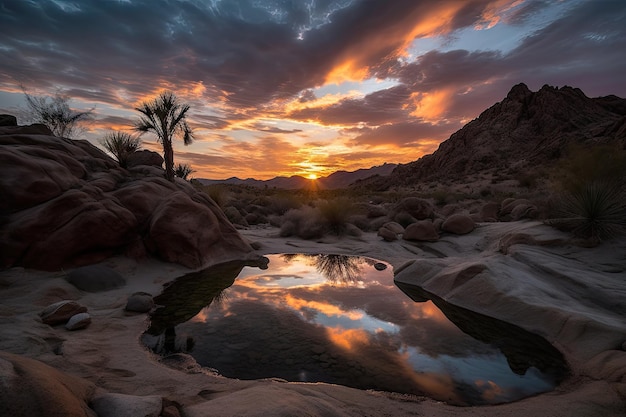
x=281, y=204
x=218, y=194
x=303, y=222
x=121, y=145
x=335, y=214
x=591, y=199
x=55, y=112
x=234, y=216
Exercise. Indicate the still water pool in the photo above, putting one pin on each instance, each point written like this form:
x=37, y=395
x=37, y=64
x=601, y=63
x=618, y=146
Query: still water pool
x=342, y=320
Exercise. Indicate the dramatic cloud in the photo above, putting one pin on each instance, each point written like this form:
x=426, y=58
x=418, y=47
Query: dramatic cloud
x=350, y=75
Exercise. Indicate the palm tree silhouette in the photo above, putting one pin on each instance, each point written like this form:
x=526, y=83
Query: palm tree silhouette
x=166, y=117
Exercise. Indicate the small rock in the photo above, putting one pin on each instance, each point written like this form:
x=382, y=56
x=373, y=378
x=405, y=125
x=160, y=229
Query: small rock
x=379, y=266
x=140, y=302
x=95, y=278
x=122, y=405
x=387, y=235
x=78, y=321
x=60, y=312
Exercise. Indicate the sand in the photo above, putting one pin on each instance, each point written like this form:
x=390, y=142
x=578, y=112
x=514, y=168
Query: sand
x=534, y=277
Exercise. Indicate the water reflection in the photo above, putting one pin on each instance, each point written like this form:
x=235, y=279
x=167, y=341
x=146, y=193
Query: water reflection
x=342, y=320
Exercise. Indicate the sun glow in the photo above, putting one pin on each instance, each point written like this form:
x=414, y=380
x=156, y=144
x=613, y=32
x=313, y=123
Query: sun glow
x=312, y=177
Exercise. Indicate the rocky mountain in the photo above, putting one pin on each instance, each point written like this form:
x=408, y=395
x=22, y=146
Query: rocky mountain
x=525, y=131
x=65, y=203
x=338, y=179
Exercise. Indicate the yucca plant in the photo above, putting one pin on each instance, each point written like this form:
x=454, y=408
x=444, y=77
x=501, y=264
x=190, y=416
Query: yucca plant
x=183, y=171
x=594, y=211
x=121, y=144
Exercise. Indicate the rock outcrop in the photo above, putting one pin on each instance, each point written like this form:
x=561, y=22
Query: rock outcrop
x=65, y=203
x=31, y=388
x=524, y=131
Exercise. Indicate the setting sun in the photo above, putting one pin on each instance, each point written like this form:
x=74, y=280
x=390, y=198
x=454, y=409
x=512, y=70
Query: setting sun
x=312, y=176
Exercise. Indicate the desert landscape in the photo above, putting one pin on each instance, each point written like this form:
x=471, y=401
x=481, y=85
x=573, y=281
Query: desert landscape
x=334, y=208
x=113, y=238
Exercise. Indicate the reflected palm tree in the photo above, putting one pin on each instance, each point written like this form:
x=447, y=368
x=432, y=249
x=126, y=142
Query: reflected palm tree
x=339, y=268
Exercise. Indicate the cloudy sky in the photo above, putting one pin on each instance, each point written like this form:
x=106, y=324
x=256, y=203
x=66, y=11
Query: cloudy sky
x=283, y=87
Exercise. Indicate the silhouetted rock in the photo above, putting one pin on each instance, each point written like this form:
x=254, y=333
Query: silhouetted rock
x=66, y=203
x=8, y=120
x=144, y=157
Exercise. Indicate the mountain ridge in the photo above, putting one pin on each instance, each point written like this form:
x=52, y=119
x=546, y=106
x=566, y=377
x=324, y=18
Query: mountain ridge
x=525, y=131
x=336, y=180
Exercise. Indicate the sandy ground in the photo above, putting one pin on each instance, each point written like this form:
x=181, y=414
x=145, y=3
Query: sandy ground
x=572, y=296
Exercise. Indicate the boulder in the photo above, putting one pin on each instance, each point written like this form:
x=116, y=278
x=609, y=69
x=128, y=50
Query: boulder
x=524, y=211
x=387, y=234
x=95, y=278
x=489, y=212
x=423, y=230
x=31, y=388
x=144, y=157
x=78, y=321
x=60, y=312
x=419, y=208
x=122, y=405
x=459, y=224
x=394, y=227
x=140, y=302
x=67, y=204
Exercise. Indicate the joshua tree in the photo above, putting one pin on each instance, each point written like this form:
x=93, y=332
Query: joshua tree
x=56, y=113
x=165, y=117
x=121, y=144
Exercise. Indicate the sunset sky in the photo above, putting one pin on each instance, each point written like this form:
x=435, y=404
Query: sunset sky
x=283, y=87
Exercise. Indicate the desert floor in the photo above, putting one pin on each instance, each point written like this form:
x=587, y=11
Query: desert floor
x=533, y=276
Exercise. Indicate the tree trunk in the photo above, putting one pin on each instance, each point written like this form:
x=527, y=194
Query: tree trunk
x=168, y=155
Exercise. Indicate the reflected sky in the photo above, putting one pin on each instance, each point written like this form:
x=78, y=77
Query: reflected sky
x=342, y=320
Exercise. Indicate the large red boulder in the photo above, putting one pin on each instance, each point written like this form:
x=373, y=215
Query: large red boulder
x=66, y=203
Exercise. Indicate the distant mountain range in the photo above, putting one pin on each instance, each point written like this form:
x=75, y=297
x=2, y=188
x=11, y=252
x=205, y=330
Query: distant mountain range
x=339, y=179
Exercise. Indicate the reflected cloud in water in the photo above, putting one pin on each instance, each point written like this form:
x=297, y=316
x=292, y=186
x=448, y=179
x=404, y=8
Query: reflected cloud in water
x=342, y=320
